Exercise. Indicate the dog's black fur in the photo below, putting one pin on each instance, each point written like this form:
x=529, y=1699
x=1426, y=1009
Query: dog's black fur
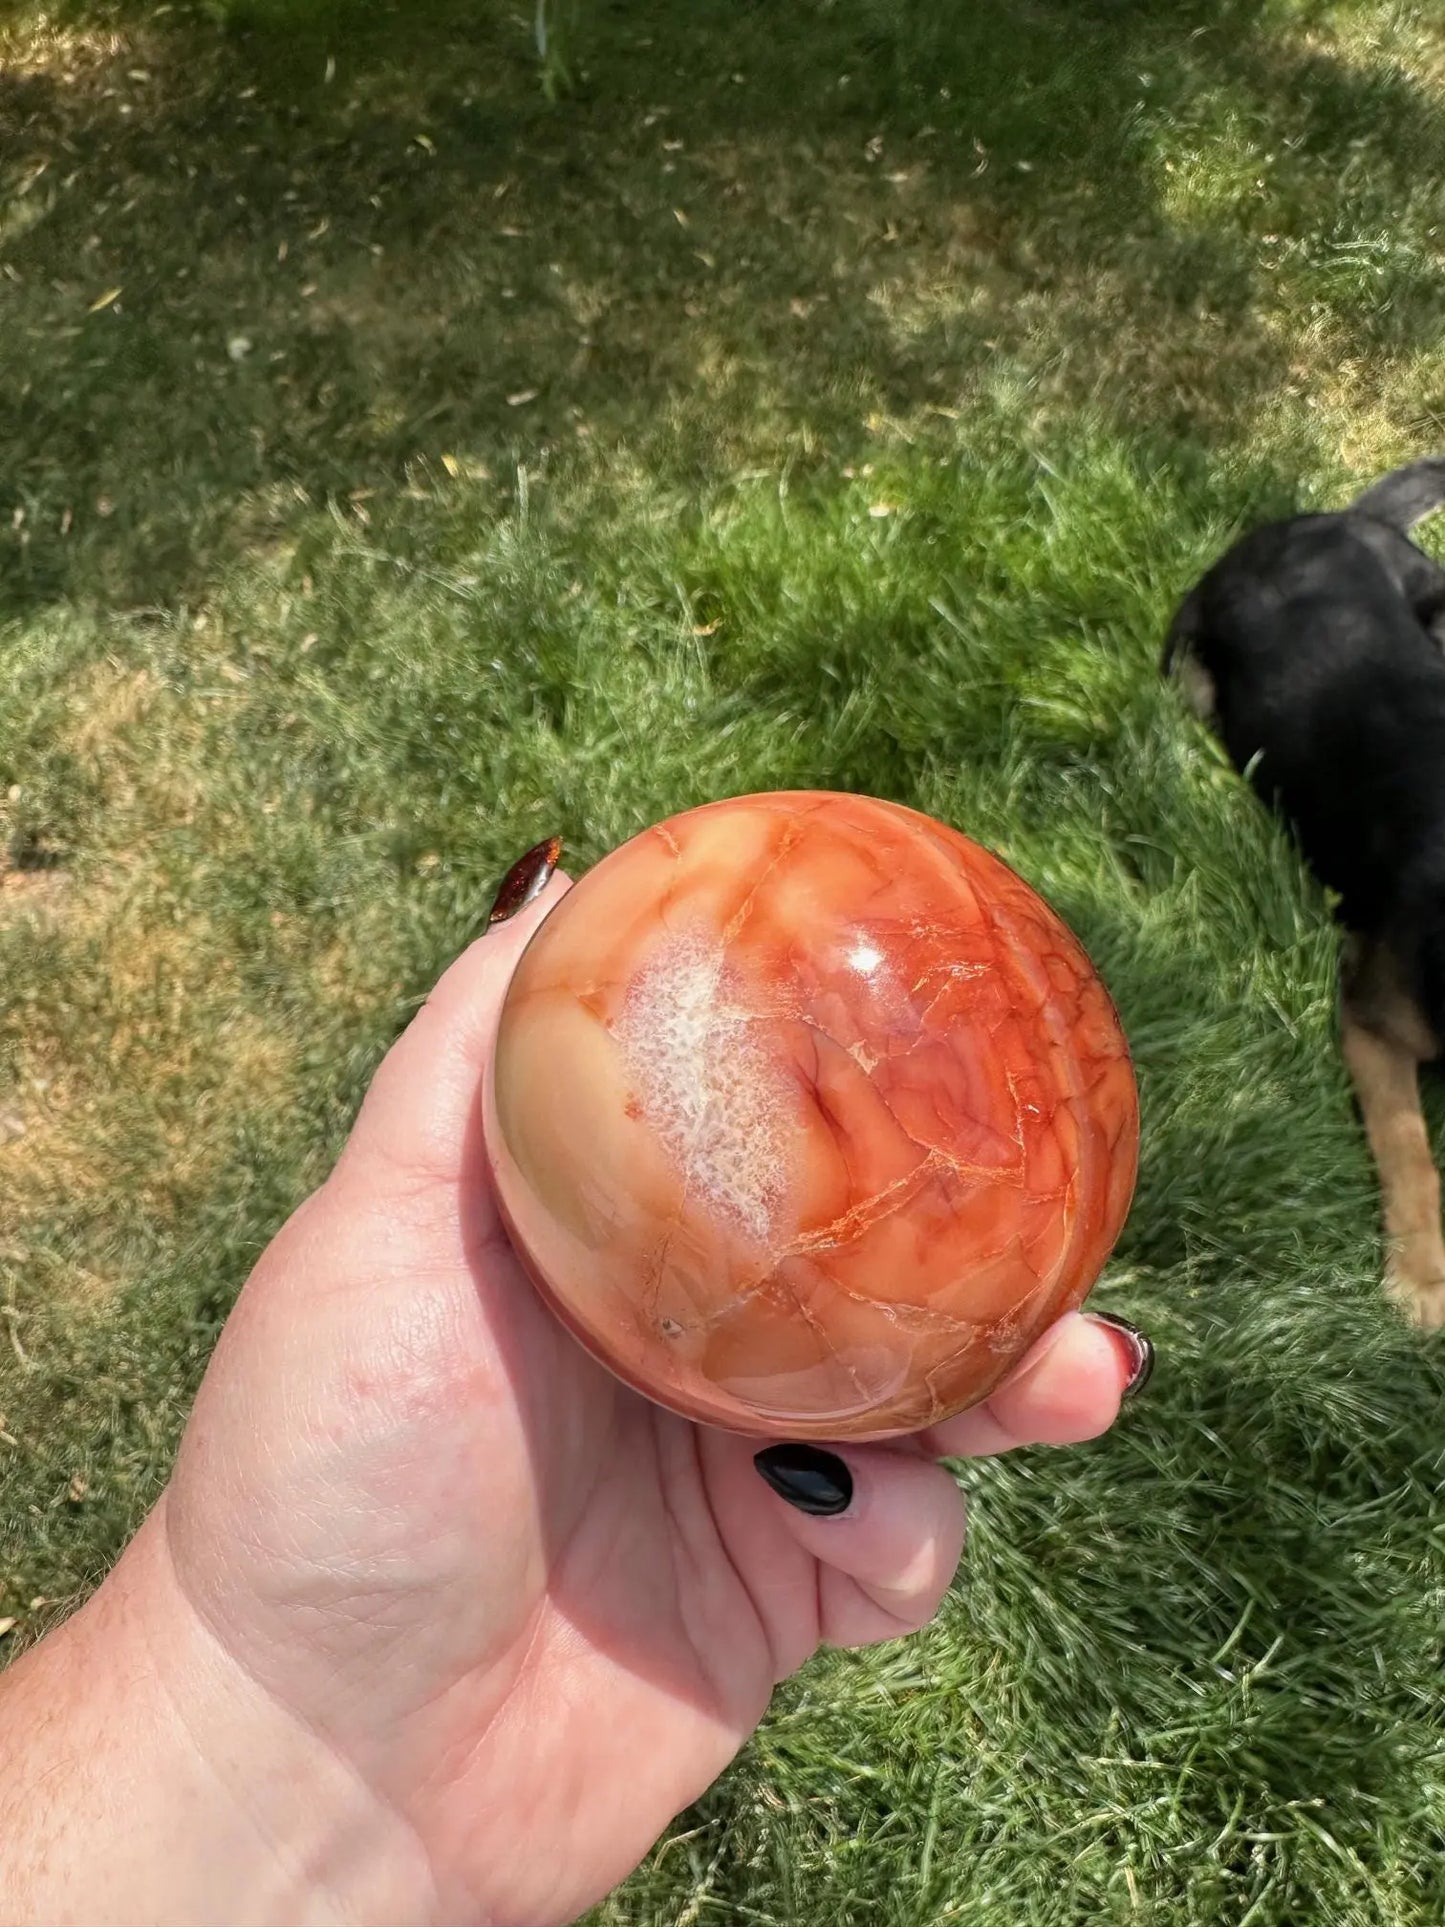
x=1314, y=650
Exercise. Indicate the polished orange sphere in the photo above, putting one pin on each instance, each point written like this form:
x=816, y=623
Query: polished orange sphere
x=808, y=1116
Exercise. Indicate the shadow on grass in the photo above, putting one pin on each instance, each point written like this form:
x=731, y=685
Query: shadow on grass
x=339, y=252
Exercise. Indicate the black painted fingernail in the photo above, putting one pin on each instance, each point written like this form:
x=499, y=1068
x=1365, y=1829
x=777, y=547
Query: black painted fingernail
x=812, y=1480
x=526, y=880
x=1139, y=1351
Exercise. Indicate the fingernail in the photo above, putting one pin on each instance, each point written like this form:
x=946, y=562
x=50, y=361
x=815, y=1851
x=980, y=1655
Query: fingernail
x=526, y=880
x=1139, y=1353
x=810, y=1479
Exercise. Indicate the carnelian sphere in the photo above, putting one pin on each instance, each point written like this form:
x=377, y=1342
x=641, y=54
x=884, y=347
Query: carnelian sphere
x=808, y=1116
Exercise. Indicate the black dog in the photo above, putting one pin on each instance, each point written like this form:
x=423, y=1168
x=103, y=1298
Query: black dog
x=1313, y=649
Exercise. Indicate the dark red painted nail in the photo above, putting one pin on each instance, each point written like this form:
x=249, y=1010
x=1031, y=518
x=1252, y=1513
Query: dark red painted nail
x=526, y=880
x=1138, y=1352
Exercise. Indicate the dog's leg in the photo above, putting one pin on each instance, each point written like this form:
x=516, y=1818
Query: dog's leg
x=1386, y=1078
x=1423, y=586
x=1430, y=611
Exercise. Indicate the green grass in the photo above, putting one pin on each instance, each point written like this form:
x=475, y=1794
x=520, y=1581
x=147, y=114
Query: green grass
x=838, y=395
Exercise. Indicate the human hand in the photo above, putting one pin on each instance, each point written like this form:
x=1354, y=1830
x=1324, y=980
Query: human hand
x=447, y=1623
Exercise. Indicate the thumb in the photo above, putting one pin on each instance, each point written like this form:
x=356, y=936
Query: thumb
x=413, y=1126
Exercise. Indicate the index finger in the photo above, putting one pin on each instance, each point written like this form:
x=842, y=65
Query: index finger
x=414, y=1121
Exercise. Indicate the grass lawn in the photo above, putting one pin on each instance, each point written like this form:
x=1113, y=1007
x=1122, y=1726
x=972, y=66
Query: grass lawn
x=396, y=467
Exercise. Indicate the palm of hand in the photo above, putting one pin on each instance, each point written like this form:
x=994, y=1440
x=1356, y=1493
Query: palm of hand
x=494, y=1579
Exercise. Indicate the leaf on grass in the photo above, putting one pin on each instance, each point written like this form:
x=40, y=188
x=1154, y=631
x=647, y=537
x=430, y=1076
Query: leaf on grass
x=104, y=300
x=522, y=397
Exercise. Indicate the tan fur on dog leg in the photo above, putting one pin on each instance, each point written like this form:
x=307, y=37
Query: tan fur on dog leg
x=1386, y=1080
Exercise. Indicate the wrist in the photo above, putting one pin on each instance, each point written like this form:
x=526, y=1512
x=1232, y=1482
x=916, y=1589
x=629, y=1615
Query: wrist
x=146, y=1779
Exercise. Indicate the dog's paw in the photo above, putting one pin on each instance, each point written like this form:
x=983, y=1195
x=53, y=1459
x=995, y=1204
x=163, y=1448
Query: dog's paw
x=1419, y=1290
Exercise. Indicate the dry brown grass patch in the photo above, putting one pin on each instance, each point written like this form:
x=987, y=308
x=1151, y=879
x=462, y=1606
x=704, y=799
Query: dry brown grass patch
x=129, y=1084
